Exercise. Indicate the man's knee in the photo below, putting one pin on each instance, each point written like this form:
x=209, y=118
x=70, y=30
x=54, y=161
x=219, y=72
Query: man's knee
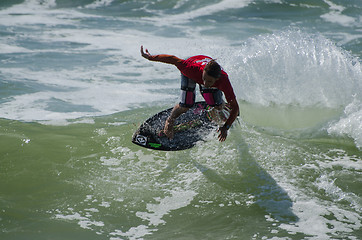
x=212, y=96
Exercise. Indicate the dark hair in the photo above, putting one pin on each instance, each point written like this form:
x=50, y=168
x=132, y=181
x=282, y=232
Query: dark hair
x=213, y=69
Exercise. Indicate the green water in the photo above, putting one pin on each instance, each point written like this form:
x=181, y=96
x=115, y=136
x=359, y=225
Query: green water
x=88, y=181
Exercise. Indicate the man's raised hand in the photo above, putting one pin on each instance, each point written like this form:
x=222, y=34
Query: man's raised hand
x=145, y=54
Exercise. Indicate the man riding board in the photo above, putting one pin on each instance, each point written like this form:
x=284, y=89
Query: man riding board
x=212, y=81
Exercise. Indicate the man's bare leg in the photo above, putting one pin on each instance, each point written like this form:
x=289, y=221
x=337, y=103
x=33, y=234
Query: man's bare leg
x=175, y=113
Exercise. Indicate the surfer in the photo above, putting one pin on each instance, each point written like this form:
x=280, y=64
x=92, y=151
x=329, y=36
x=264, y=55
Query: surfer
x=212, y=80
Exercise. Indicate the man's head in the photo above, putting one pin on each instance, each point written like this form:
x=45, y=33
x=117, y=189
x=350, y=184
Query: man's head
x=211, y=73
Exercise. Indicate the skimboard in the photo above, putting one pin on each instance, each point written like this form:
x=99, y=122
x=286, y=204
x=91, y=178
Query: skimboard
x=189, y=128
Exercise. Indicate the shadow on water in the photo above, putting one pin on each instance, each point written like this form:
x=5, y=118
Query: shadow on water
x=254, y=180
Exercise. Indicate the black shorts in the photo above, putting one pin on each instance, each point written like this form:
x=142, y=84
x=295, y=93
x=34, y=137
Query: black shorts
x=212, y=96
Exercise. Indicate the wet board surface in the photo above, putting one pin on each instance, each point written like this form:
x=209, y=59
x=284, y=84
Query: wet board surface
x=189, y=128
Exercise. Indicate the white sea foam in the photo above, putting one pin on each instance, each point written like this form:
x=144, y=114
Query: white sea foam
x=350, y=124
x=178, y=199
x=133, y=233
x=336, y=16
x=102, y=89
x=99, y=3
x=33, y=107
x=163, y=19
x=340, y=159
x=6, y=48
x=312, y=220
x=316, y=204
x=83, y=222
x=88, y=87
x=33, y=12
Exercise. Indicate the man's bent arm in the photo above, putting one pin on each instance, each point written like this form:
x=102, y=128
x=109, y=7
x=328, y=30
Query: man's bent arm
x=233, y=114
x=223, y=131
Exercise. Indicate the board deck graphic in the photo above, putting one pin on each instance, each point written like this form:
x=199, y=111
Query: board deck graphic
x=189, y=128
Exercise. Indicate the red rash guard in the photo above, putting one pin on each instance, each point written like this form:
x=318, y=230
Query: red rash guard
x=193, y=68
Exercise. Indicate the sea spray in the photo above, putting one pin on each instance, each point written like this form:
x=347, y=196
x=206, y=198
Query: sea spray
x=298, y=80
x=294, y=67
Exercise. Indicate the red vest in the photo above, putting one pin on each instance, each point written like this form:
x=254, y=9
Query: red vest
x=193, y=68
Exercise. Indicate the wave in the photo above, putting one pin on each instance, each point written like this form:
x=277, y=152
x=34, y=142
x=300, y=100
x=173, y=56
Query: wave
x=295, y=80
x=297, y=68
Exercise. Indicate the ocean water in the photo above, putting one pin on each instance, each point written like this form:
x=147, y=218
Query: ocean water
x=74, y=88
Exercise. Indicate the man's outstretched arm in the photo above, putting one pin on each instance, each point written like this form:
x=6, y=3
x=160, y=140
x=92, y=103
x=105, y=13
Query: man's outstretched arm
x=165, y=58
